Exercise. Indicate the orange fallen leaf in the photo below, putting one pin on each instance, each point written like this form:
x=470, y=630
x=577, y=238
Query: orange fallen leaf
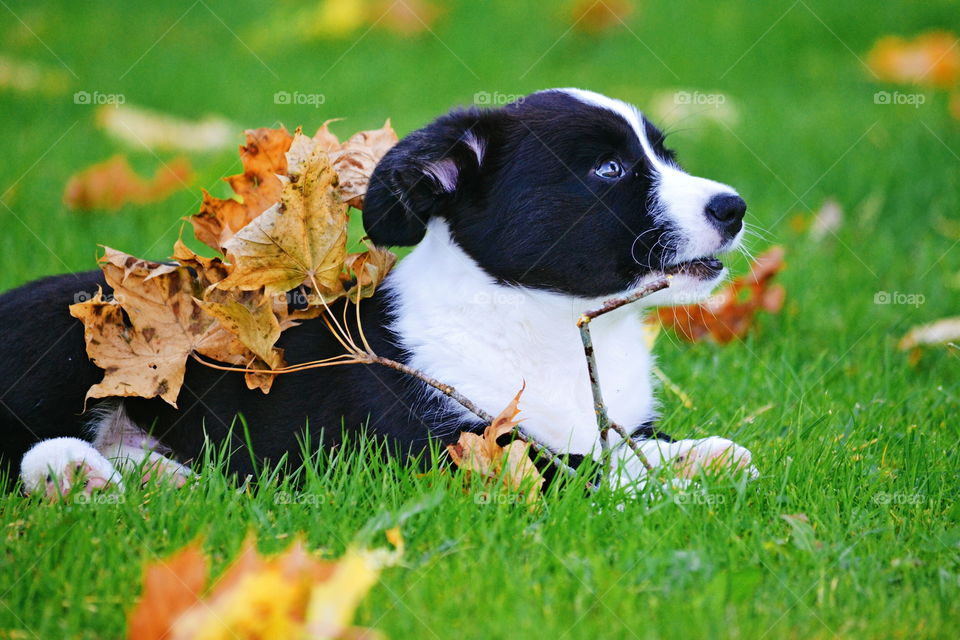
x=597, y=16
x=170, y=587
x=955, y=105
x=729, y=313
x=510, y=465
x=290, y=595
x=931, y=59
x=258, y=188
x=112, y=184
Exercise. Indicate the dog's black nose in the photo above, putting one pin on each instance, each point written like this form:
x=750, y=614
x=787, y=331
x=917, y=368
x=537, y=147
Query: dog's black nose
x=726, y=213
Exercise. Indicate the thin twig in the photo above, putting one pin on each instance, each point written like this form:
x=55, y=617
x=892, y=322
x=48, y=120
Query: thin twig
x=604, y=424
x=467, y=404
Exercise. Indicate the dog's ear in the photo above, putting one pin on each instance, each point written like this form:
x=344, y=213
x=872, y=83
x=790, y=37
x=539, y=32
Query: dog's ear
x=423, y=174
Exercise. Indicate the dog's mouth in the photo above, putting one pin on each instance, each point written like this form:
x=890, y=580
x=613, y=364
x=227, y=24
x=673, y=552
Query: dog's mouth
x=706, y=268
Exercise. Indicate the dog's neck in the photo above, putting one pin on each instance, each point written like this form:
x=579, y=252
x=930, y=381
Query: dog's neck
x=487, y=339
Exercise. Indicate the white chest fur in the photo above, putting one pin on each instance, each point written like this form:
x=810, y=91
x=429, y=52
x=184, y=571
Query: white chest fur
x=488, y=339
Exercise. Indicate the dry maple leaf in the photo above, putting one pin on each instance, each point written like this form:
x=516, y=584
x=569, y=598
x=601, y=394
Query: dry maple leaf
x=141, y=338
x=511, y=464
x=257, y=188
x=112, y=184
x=290, y=595
x=249, y=322
x=234, y=312
x=170, y=587
x=931, y=59
x=726, y=315
x=357, y=158
x=369, y=268
x=300, y=241
x=353, y=160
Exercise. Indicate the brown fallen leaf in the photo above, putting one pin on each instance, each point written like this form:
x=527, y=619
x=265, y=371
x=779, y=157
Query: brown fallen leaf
x=367, y=270
x=597, y=16
x=353, y=160
x=510, y=465
x=257, y=188
x=931, y=59
x=300, y=241
x=112, y=184
x=170, y=587
x=141, y=338
x=725, y=315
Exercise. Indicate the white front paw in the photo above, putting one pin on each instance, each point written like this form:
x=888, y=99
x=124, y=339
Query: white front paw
x=55, y=466
x=690, y=458
x=687, y=459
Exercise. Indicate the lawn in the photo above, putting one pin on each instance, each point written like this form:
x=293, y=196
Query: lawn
x=844, y=428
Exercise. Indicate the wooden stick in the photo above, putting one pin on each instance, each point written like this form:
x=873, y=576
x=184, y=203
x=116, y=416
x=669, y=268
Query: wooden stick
x=604, y=424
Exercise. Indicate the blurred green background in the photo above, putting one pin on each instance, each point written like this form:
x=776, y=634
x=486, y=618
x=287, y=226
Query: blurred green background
x=774, y=98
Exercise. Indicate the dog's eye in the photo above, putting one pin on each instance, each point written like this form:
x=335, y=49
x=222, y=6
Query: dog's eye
x=609, y=169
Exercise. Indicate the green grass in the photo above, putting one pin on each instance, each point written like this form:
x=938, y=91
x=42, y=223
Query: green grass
x=856, y=438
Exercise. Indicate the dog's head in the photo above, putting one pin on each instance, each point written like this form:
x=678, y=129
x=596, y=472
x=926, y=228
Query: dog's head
x=565, y=190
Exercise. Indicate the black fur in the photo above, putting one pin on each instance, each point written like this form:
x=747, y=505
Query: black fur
x=537, y=174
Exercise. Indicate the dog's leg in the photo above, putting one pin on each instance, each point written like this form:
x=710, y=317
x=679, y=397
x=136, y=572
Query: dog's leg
x=688, y=459
x=55, y=466
x=133, y=450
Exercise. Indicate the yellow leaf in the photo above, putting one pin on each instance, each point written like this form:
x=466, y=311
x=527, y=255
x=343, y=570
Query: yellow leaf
x=302, y=240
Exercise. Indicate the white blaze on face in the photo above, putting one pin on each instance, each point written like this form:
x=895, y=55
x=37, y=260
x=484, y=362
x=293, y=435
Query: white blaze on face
x=681, y=198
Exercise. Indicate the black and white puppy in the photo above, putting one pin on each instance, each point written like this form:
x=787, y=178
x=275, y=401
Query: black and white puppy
x=523, y=217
